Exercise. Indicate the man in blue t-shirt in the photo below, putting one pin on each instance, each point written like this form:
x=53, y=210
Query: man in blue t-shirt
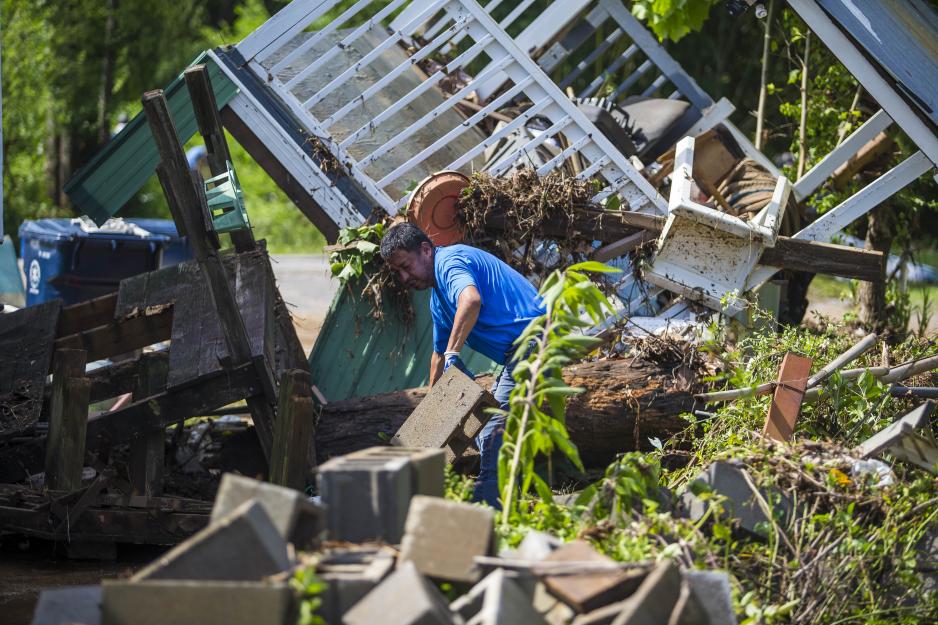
x=478, y=301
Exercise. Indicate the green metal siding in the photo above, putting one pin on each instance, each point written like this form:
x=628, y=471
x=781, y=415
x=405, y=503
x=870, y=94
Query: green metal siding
x=120, y=169
x=357, y=356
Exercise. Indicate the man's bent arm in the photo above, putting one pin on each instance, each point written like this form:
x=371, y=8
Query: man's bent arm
x=467, y=313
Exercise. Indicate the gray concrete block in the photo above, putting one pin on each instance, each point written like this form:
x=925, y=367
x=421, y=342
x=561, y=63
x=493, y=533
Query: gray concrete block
x=442, y=538
x=350, y=574
x=75, y=604
x=497, y=600
x=742, y=502
x=405, y=598
x=655, y=599
x=712, y=592
x=908, y=438
x=585, y=592
x=298, y=520
x=450, y=415
x=367, y=494
x=243, y=546
x=187, y=602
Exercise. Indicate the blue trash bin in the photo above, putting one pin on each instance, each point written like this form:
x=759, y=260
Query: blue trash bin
x=176, y=249
x=61, y=260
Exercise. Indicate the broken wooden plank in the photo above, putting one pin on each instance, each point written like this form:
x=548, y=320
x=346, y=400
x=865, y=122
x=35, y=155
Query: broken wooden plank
x=147, y=452
x=90, y=314
x=26, y=345
x=148, y=291
x=121, y=336
x=290, y=461
x=789, y=393
x=826, y=258
x=65, y=448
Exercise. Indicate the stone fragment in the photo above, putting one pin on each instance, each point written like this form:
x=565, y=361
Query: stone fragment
x=74, y=604
x=450, y=415
x=298, y=520
x=742, y=501
x=350, y=574
x=496, y=600
x=405, y=598
x=713, y=594
x=655, y=599
x=243, y=546
x=187, y=602
x=588, y=591
x=442, y=538
x=367, y=493
x=909, y=438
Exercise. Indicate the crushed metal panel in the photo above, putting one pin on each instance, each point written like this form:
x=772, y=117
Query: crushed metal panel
x=102, y=186
x=356, y=355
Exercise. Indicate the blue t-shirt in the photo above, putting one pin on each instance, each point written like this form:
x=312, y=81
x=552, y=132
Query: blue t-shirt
x=509, y=302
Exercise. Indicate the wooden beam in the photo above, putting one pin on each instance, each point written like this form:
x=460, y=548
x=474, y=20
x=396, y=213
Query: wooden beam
x=826, y=258
x=120, y=337
x=870, y=152
x=789, y=394
x=90, y=314
x=190, y=207
x=65, y=448
x=206, y=115
x=147, y=451
x=290, y=461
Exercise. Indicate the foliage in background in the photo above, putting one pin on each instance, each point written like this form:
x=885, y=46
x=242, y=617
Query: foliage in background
x=673, y=19
x=535, y=418
x=308, y=588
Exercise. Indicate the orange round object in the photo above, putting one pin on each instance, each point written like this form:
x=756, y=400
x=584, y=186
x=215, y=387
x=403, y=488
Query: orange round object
x=432, y=206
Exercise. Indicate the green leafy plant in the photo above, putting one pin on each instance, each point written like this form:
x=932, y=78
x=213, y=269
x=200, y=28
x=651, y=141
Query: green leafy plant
x=355, y=251
x=535, y=418
x=309, y=587
x=672, y=19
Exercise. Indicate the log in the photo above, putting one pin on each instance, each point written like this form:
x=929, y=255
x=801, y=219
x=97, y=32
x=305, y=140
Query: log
x=625, y=403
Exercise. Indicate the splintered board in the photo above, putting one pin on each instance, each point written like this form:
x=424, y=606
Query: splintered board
x=26, y=341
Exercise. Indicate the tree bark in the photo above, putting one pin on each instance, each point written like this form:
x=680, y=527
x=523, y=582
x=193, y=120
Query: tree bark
x=626, y=402
x=872, y=295
x=107, y=76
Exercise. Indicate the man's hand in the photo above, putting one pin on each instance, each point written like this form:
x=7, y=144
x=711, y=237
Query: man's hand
x=452, y=359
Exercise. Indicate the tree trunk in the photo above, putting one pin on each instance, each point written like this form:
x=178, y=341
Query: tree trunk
x=107, y=76
x=626, y=402
x=872, y=295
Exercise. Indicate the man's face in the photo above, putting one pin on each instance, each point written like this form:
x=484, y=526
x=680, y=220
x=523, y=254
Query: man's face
x=414, y=269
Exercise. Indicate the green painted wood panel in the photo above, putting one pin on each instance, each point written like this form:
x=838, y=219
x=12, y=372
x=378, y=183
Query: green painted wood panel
x=102, y=186
x=357, y=356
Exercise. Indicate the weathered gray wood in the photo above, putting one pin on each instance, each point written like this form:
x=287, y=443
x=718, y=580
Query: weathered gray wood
x=826, y=258
x=206, y=116
x=290, y=460
x=26, y=340
x=121, y=336
x=190, y=207
x=148, y=290
x=90, y=314
x=65, y=448
x=147, y=451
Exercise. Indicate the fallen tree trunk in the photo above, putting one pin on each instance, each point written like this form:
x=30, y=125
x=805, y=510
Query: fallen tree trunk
x=626, y=401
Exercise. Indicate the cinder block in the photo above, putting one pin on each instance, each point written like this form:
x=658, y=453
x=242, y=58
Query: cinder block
x=712, y=593
x=442, y=538
x=405, y=598
x=243, y=546
x=908, y=438
x=185, y=602
x=298, y=520
x=450, y=416
x=75, y=604
x=733, y=483
x=350, y=574
x=367, y=493
x=497, y=600
x=586, y=592
x=655, y=599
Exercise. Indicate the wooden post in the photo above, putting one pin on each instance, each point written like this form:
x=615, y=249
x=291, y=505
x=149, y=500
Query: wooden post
x=147, y=451
x=188, y=206
x=789, y=393
x=206, y=115
x=293, y=454
x=68, y=420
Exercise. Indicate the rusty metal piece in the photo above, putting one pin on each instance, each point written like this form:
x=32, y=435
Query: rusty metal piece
x=789, y=393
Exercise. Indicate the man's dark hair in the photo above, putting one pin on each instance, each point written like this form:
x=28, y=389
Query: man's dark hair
x=403, y=236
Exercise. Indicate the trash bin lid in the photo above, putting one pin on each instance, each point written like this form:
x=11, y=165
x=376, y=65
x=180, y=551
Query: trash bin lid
x=51, y=230
x=432, y=206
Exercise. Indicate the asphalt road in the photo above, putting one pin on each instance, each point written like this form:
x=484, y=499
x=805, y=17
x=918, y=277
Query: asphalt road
x=308, y=289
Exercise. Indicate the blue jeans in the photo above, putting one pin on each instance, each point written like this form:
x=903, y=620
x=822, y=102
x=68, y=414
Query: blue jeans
x=489, y=441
